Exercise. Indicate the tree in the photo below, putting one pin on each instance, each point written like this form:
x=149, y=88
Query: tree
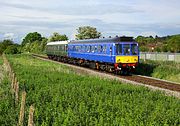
x=165, y=48
x=144, y=49
x=43, y=44
x=34, y=42
x=57, y=37
x=12, y=49
x=1, y=48
x=4, y=44
x=158, y=49
x=87, y=32
x=7, y=43
x=174, y=43
x=32, y=37
x=141, y=40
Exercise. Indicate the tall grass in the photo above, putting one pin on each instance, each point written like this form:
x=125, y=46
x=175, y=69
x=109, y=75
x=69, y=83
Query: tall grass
x=61, y=97
x=8, y=112
x=1, y=60
x=160, y=69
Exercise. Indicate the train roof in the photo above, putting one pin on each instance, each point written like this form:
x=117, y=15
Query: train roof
x=104, y=40
x=58, y=43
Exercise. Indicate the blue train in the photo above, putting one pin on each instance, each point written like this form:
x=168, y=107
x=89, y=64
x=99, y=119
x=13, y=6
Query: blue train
x=118, y=54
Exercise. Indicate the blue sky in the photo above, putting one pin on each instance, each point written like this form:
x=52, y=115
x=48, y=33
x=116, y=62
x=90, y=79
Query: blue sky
x=110, y=17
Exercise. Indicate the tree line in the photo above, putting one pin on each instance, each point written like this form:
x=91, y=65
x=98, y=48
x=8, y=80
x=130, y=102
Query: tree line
x=35, y=43
x=159, y=44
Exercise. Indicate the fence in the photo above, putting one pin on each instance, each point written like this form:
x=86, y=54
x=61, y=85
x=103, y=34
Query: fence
x=15, y=94
x=160, y=56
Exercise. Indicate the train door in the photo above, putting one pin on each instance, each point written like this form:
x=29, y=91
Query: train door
x=110, y=49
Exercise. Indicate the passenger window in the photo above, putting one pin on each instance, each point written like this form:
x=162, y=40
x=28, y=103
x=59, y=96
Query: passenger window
x=74, y=49
x=95, y=49
x=83, y=48
x=78, y=48
x=65, y=48
x=92, y=49
x=104, y=49
x=88, y=48
x=99, y=48
x=118, y=49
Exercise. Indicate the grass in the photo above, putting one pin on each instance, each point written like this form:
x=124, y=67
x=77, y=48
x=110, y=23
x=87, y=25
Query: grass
x=8, y=113
x=166, y=70
x=1, y=60
x=61, y=97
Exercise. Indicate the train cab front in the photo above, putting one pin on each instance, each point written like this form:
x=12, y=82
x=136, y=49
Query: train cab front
x=127, y=57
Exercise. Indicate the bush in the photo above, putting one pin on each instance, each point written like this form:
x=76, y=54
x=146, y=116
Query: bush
x=144, y=49
x=158, y=49
x=166, y=70
x=13, y=49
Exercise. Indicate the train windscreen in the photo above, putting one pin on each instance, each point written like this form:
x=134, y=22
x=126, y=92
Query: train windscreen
x=126, y=49
x=134, y=49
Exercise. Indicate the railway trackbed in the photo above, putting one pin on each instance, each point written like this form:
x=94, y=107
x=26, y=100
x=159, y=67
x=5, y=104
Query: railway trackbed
x=154, y=82
x=170, y=88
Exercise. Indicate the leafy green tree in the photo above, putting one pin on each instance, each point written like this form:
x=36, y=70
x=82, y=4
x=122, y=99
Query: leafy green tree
x=150, y=39
x=7, y=43
x=31, y=37
x=174, y=43
x=1, y=48
x=141, y=40
x=43, y=44
x=87, y=32
x=4, y=44
x=57, y=37
x=34, y=42
x=144, y=48
x=158, y=49
x=35, y=47
x=165, y=48
x=12, y=49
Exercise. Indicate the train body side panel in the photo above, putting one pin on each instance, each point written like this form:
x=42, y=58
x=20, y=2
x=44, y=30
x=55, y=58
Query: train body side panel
x=93, y=57
x=106, y=55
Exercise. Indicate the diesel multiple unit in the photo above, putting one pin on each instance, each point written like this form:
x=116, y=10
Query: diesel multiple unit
x=119, y=54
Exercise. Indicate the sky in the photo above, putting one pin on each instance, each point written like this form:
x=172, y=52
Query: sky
x=110, y=17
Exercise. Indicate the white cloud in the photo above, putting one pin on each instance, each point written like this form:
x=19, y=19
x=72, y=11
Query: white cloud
x=9, y=35
x=135, y=17
x=148, y=33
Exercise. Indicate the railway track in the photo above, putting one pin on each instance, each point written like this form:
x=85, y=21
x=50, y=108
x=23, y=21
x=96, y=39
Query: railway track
x=134, y=79
x=154, y=82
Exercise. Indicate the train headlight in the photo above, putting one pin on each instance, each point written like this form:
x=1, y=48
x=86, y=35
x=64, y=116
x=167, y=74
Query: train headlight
x=133, y=66
x=118, y=68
